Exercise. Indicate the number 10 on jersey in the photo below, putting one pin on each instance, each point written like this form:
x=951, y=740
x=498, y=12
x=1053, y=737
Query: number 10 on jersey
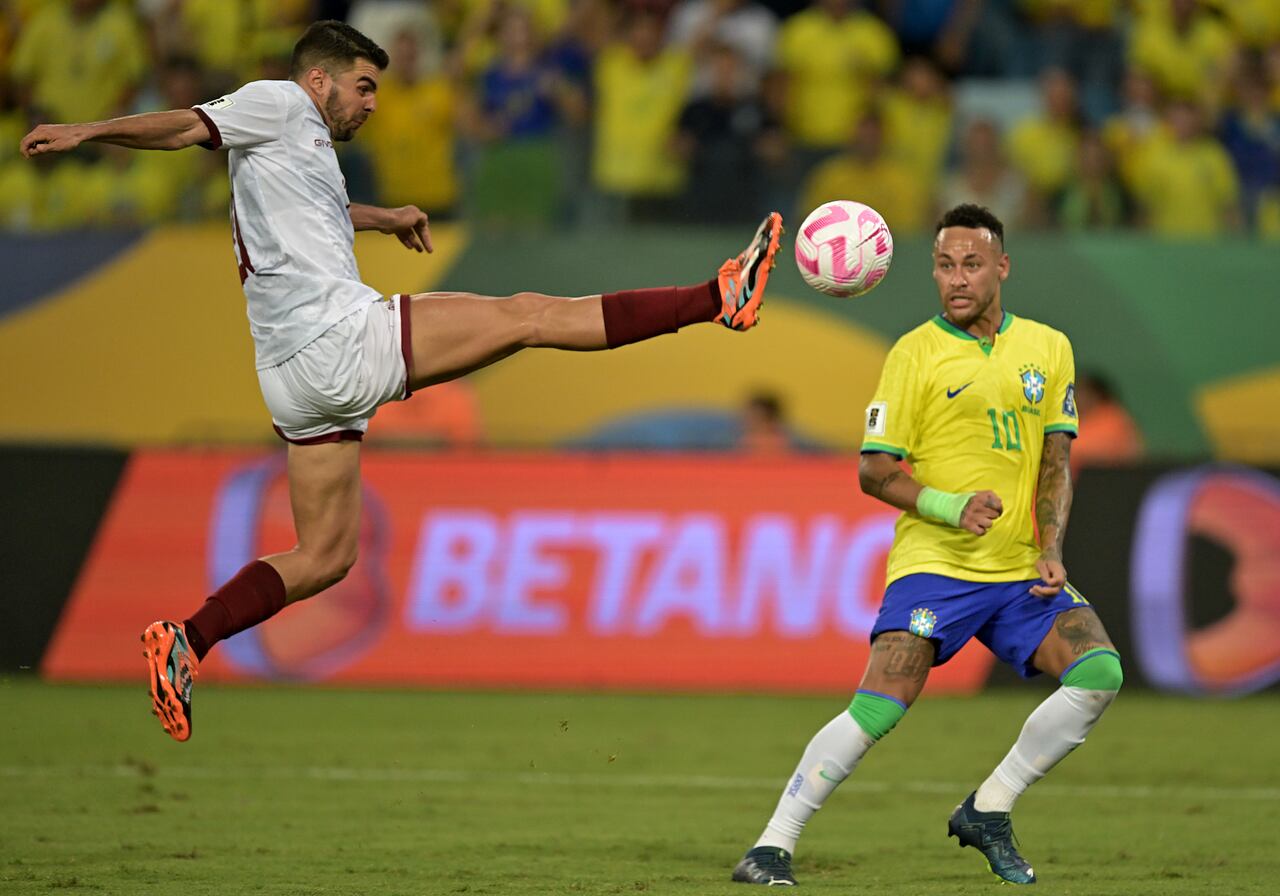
x=1008, y=421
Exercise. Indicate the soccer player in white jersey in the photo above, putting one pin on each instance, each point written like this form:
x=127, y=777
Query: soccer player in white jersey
x=329, y=349
x=981, y=404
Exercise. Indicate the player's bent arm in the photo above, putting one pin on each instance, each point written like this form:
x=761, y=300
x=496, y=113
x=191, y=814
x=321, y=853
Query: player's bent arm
x=1053, y=494
x=176, y=129
x=408, y=223
x=369, y=217
x=881, y=476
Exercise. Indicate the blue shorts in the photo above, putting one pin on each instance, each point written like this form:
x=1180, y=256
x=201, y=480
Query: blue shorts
x=1005, y=616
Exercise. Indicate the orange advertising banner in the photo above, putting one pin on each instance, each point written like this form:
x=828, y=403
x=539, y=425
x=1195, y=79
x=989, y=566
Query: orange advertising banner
x=567, y=571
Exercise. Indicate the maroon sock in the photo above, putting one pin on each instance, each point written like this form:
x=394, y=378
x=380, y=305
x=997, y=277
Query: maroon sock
x=253, y=595
x=639, y=314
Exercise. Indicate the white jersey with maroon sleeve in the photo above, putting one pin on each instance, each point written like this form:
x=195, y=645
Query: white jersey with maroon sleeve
x=289, y=216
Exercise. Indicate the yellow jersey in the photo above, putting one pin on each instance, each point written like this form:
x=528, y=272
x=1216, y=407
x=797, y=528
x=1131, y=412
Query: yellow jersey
x=968, y=415
x=1187, y=189
x=831, y=65
x=638, y=107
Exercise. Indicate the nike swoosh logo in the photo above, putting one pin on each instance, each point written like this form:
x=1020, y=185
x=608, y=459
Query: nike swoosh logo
x=822, y=774
x=951, y=394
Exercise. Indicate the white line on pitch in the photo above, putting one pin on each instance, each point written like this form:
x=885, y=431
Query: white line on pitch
x=593, y=779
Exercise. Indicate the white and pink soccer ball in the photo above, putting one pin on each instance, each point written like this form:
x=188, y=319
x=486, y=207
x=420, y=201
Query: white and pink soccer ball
x=844, y=248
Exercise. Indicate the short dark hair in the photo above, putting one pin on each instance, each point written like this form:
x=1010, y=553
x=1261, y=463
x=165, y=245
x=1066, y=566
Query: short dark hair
x=330, y=44
x=971, y=215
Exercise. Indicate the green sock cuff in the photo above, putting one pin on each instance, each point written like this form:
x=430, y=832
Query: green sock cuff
x=945, y=507
x=1096, y=670
x=875, y=713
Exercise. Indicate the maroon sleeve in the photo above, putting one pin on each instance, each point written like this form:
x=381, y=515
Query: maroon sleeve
x=215, y=136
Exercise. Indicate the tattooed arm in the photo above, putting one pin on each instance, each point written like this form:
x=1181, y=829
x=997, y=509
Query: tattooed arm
x=881, y=476
x=1053, y=506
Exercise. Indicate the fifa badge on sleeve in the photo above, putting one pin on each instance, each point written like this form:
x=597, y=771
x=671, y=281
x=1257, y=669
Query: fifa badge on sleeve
x=875, y=418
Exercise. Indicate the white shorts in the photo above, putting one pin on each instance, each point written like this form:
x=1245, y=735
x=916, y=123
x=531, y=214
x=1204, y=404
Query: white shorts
x=330, y=389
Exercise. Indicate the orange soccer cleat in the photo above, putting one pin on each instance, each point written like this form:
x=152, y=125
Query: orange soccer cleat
x=742, y=279
x=173, y=669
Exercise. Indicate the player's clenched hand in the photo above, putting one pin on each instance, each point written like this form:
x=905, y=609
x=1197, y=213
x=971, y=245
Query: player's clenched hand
x=409, y=224
x=980, y=512
x=52, y=138
x=1053, y=575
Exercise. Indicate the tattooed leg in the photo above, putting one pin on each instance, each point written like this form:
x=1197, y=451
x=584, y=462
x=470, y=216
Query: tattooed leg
x=899, y=666
x=1074, y=633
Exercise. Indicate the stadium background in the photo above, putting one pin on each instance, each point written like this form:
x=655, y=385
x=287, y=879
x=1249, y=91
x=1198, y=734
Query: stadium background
x=576, y=147
x=566, y=546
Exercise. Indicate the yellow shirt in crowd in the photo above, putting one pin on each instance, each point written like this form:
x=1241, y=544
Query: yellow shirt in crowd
x=637, y=107
x=1129, y=147
x=1193, y=65
x=1254, y=22
x=829, y=65
x=917, y=133
x=80, y=70
x=1044, y=151
x=1187, y=189
x=221, y=33
x=411, y=140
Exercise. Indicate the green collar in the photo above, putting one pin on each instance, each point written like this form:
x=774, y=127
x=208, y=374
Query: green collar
x=984, y=343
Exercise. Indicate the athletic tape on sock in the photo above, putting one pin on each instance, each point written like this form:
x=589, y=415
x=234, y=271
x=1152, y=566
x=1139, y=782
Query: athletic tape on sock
x=875, y=713
x=1097, y=670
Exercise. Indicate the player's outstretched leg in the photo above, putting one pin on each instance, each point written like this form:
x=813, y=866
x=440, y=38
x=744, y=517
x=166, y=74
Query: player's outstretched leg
x=173, y=668
x=450, y=334
x=742, y=279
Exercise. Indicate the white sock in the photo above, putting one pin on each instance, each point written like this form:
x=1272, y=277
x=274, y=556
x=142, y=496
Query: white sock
x=1054, y=729
x=830, y=757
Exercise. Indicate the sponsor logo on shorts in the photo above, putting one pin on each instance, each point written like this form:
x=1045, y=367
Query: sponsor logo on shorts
x=922, y=622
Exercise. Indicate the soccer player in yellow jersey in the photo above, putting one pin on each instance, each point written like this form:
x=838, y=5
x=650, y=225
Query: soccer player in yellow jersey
x=981, y=404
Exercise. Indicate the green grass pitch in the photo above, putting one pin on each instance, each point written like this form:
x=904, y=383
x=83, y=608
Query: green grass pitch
x=306, y=790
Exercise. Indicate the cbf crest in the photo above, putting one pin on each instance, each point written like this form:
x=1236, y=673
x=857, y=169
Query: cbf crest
x=1033, y=381
x=922, y=622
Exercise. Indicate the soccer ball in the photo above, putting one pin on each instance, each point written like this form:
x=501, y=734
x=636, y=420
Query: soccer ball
x=844, y=248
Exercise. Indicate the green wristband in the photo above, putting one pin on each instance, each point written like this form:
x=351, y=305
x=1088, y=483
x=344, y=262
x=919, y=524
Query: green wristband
x=945, y=507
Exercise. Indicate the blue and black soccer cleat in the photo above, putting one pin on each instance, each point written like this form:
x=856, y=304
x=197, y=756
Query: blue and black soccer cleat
x=766, y=865
x=991, y=833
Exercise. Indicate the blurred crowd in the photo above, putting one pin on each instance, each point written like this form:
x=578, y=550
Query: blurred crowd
x=1158, y=115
